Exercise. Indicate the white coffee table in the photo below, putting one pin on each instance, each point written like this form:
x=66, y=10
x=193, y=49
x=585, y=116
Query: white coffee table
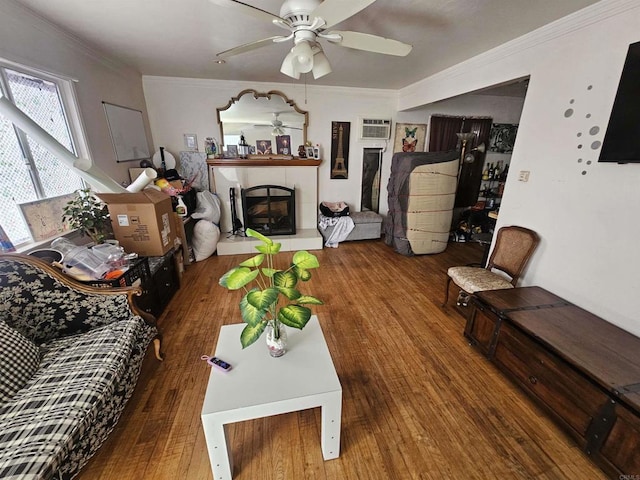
x=259, y=386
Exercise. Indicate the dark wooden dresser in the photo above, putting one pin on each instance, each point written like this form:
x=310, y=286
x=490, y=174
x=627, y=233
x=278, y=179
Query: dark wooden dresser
x=584, y=371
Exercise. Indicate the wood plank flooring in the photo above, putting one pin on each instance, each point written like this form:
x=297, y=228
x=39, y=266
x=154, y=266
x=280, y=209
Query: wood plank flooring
x=418, y=401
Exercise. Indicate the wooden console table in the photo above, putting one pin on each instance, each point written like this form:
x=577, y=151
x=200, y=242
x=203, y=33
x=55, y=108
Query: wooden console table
x=584, y=371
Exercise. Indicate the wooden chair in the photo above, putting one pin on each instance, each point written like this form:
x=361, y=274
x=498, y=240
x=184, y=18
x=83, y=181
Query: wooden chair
x=513, y=248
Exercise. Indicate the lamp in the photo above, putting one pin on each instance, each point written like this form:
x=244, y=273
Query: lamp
x=304, y=57
x=467, y=157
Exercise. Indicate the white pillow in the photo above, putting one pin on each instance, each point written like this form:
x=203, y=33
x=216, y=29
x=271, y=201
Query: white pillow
x=205, y=239
x=207, y=207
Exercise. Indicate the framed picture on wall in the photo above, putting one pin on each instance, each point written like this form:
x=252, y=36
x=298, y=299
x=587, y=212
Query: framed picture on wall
x=410, y=137
x=502, y=137
x=128, y=135
x=190, y=142
x=340, y=133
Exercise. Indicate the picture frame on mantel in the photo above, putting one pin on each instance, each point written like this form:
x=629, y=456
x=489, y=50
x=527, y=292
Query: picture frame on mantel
x=232, y=151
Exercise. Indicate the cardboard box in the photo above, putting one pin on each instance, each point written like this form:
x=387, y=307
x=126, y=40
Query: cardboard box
x=142, y=222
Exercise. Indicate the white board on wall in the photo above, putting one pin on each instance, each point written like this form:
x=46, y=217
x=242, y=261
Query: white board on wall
x=128, y=136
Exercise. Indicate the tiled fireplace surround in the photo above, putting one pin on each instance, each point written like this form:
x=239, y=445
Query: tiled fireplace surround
x=301, y=175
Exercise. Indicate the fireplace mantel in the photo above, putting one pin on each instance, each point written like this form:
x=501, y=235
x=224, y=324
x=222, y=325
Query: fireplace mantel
x=262, y=162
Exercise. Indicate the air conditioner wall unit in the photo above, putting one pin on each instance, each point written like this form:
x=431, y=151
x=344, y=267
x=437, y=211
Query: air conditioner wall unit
x=375, y=128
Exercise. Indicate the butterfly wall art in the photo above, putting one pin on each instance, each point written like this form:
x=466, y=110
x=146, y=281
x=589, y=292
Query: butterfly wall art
x=410, y=137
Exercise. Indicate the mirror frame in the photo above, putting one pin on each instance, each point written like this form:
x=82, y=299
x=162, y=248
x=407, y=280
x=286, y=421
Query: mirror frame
x=268, y=96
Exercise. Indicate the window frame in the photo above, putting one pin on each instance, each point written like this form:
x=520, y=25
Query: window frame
x=70, y=105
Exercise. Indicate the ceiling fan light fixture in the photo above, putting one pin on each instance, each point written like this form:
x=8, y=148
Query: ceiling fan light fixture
x=302, y=57
x=288, y=66
x=321, y=66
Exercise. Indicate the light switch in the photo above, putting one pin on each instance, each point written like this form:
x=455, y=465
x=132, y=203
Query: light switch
x=524, y=176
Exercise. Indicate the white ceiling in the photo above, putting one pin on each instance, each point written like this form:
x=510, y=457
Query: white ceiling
x=181, y=37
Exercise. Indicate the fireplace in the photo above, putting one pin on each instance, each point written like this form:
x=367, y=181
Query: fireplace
x=270, y=209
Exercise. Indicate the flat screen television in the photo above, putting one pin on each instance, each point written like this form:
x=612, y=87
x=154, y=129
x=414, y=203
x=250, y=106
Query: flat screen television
x=622, y=140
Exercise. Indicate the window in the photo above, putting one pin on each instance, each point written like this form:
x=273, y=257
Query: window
x=28, y=172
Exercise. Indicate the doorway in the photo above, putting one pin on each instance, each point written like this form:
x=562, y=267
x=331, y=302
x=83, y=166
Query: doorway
x=370, y=192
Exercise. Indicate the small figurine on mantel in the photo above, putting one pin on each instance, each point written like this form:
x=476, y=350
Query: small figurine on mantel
x=243, y=147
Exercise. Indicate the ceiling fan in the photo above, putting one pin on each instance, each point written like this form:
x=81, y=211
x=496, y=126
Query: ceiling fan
x=277, y=125
x=309, y=21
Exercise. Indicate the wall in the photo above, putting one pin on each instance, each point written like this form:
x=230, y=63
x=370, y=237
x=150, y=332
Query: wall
x=29, y=40
x=583, y=210
x=178, y=106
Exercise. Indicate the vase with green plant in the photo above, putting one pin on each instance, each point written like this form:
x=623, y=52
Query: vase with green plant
x=89, y=215
x=274, y=300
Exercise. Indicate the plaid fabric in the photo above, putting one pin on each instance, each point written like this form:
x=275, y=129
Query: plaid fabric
x=71, y=404
x=19, y=359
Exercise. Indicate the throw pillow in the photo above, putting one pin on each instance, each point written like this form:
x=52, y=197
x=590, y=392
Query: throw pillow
x=19, y=359
x=205, y=239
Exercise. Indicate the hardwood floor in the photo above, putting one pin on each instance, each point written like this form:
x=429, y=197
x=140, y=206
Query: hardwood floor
x=418, y=401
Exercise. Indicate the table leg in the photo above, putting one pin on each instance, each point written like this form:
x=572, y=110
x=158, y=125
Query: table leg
x=219, y=452
x=331, y=420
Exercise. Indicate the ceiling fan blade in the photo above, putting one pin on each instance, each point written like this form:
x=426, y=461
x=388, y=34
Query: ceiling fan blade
x=247, y=47
x=335, y=11
x=248, y=10
x=371, y=43
x=258, y=125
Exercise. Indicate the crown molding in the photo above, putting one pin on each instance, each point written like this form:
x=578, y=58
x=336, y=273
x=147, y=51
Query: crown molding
x=266, y=86
x=564, y=26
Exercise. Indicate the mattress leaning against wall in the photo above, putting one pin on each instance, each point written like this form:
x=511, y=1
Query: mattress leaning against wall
x=421, y=194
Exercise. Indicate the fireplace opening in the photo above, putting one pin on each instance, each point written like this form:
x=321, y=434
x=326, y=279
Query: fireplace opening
x=270, y=209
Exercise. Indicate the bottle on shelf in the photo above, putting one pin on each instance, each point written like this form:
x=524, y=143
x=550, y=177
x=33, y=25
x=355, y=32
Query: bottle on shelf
x=496, y=171
x=505, y=172
x=485, y=172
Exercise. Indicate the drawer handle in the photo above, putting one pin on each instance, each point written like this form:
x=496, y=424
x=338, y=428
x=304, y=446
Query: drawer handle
x=533, y=380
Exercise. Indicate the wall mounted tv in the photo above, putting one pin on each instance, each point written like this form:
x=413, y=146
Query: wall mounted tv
x=622, y=141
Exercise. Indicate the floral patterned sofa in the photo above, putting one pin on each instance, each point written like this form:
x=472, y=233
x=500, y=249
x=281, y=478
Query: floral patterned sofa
x=70, y=356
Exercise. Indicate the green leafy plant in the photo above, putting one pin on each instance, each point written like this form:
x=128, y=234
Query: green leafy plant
x=89, y=215
x=261, y=304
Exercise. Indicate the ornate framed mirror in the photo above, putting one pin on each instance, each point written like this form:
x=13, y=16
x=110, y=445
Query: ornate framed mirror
x=270, y=122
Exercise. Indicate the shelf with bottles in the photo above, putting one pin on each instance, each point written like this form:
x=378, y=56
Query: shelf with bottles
x=494, y=176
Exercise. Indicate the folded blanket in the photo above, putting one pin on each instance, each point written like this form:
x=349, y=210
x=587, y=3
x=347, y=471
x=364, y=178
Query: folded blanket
x=342, y=229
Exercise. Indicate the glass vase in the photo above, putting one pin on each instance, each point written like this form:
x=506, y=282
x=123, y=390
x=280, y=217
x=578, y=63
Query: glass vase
x=276, y=342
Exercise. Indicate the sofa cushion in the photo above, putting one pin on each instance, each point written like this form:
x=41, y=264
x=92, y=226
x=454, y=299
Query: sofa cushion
x=19, y=359
x=58, y=406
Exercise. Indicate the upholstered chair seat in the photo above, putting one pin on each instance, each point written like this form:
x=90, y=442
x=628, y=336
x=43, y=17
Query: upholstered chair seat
x=511, y=252
x=473, y=279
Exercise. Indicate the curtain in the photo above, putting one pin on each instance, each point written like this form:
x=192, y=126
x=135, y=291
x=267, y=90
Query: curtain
x=471, y=173
x=442, y=132
x=442, y=137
